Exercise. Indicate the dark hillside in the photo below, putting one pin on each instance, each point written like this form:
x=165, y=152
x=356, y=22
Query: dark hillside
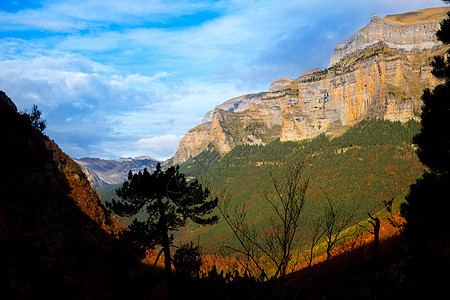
x=55, y=236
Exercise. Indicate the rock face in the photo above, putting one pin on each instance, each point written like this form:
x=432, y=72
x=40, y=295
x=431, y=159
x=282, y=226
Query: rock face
x=236, y=104
x=380, y=72
x=419, y=35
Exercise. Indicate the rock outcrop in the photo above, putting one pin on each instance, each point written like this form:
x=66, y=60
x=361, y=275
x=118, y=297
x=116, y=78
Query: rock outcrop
x=417, y=35
x=236, y=104
x=380, y=72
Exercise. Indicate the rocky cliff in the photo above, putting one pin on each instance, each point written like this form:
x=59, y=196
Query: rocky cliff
x=379, y=72
x=395, y=32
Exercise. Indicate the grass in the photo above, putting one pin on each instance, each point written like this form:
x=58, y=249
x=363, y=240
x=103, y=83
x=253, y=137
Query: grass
x=422, y=15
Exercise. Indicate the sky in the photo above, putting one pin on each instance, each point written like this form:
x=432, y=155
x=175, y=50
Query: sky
x=130, y=78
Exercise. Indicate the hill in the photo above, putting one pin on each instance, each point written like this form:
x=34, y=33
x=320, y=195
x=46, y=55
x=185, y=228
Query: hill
x=55, y=235
x=421, y=15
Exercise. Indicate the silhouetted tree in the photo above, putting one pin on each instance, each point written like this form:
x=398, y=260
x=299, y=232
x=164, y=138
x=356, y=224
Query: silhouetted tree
x=425, y=212
x=187, y=260
x=376, y=226
x=169, y=199
x=34, y=116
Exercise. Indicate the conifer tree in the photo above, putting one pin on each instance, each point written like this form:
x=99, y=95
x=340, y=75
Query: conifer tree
x=169, y=200
x=427, y=226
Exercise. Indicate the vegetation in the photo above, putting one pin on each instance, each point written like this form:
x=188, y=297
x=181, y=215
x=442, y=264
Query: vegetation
x=374, y=52
x=34, y=117
x=275, y=254
x=197, y=165
x=371, y=162
x=169, y=201
x=187, y=260
x=427, y=228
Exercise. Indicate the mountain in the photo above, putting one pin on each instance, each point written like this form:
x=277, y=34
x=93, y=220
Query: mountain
x=380, y=71
x=101, y=172
x=371, y=162
x=409, y=31
x=55, y=235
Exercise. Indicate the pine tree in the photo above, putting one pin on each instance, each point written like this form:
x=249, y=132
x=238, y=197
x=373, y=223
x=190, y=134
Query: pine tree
x=427, y=226
x=169, y=200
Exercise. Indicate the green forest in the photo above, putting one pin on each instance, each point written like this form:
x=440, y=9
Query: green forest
x=372, y=162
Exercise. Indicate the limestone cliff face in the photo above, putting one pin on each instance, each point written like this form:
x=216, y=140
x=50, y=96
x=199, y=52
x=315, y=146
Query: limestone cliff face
x=193, y=143
x=397, y=35
x=375, y=82
x=368, y=77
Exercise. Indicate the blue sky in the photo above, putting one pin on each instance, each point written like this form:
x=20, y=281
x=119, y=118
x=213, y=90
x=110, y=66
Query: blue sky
x=129, y=78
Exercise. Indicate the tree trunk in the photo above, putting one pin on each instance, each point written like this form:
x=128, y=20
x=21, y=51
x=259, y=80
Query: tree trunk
x=376, y=233
x=167, y=257
x=166, y=248
x=165, y=239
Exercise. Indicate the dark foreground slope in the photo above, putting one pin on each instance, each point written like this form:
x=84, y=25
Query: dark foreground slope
x=55, y=236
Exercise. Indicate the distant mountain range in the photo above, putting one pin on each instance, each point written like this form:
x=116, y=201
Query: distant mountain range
x=101, y=172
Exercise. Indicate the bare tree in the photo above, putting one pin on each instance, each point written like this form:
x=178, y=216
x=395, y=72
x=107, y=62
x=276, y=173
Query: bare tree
x=393, y=220
x=376, y=225
x=285, y=234
x=329, y=231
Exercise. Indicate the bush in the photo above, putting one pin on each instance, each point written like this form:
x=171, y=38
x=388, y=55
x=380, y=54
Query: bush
x=187, y=260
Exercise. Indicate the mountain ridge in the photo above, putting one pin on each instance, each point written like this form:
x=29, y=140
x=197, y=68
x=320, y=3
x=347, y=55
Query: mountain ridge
x=367, y=77
x=419, y=35
x=102, y=172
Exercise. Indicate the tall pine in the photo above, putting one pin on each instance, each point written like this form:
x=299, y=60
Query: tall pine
x=169, y=201
x=426, y=210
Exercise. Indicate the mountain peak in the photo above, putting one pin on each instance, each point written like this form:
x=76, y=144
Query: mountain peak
x=375, y=18
x=409, y=31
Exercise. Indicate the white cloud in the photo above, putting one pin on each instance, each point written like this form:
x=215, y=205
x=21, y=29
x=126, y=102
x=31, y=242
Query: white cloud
x=102, y=113
x=160, y=146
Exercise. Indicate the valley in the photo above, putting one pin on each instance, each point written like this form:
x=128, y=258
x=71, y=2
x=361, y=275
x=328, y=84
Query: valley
x=313, y=189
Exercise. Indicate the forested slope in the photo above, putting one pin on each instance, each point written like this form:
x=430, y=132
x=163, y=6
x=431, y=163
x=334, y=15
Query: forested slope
x=371, y=162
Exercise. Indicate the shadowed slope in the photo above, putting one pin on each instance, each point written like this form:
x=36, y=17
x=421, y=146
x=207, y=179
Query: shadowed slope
x=54, y=233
